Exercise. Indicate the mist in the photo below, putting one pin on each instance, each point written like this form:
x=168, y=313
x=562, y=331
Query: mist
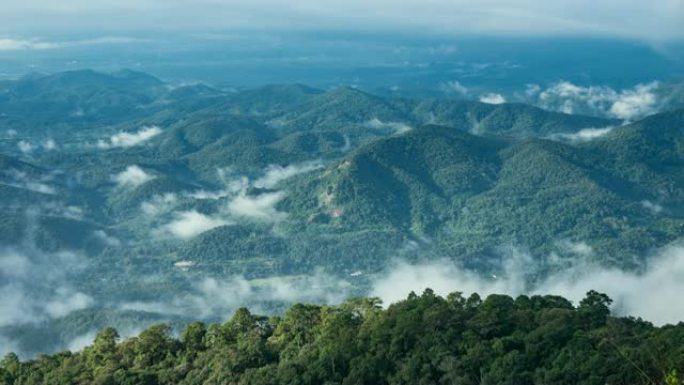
x=651, y=292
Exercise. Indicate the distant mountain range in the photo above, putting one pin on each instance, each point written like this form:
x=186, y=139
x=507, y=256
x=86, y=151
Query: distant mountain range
x=146, y=179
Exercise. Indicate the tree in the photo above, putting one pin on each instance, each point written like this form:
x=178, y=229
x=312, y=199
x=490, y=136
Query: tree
x=9, y=368
x=153, y=345
x=102, y=352
x=595, y=308
x=193, y=337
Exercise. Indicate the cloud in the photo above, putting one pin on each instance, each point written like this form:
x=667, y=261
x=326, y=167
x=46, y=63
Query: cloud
x=584, y=135
x=22, y=180
x=397, y=127
x=654, y=208
x=50, y=144
x=347, y=144
x=34, y=285
x=22, y=45
x=59, y=209
x=648, y=292
x=627, y=104
x=275, y=174
x=214, y=298
x=655, y=20
x=260, y=207
x=492, y=98
x=159, y=204
x=189, y=224
x=454, y=86
x=133, y=176
x=25, y=146
x=106, y=239
x=40, y=187
x=232, y=187
x=37, y=44
x=640, y=101
x=67, y=301
x=81, y=342
x=128, y=139
x=7, y=345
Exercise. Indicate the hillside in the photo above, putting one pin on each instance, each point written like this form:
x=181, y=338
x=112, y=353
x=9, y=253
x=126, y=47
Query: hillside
x=159, y=194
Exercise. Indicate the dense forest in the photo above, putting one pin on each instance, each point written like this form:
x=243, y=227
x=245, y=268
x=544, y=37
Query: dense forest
x=424, y=339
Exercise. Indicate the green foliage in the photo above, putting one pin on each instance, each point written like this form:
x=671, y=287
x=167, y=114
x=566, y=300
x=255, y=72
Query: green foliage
x=424, y=339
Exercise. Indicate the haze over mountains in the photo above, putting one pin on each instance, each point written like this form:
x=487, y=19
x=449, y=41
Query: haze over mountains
x=127, y=200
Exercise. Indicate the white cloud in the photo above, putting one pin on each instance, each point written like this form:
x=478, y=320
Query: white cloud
x=107, y=239
x=40, y=187
x=654, y=208
x=532, y=90
x=584, y=135
x=189, y=224
x=132, y=176
x=22, y=180
x=81, y=342
x=22, y=45
x=275, y=174
x=159, y=204
x=492, y=98
x=50, y=144
x=25, y=146
x=209, y=195
x=128, y=139
x=260, y=207
x=34, y=286
x=625, y=104
x=14, y=264
x=397, y=127
x=655, y=20
x=211, y=297
x=67, y=301
x=648, y=293
x=635, y=103
x=36, y=44
x=454, y=86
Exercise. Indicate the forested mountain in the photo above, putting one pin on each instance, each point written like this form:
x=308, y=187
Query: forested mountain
x=136, y=192
x=424, y=339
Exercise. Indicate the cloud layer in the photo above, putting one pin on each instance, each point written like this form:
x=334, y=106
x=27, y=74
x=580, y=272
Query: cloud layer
x=584, y=135
x=655, y=20
x=130, y=139
x=274, y=173
x=649, y=293
x=189, y=224
x=34, y=286
x=132, y=176
x=260, y=207
x=397, y=127
x=492, y=98
x=627, y=104
x=214, y=298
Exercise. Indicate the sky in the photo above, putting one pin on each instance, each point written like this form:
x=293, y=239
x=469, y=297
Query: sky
x=653, y=21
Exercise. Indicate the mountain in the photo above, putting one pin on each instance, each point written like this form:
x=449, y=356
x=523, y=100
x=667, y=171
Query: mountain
x=77, y=98
x=511, y=119
x=159, y=195
x=471, y=193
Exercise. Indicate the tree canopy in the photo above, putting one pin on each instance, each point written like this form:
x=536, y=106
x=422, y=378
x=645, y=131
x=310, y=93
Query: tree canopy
x=425, y=339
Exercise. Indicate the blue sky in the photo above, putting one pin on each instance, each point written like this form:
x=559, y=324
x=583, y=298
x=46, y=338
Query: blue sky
x=654, y=20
